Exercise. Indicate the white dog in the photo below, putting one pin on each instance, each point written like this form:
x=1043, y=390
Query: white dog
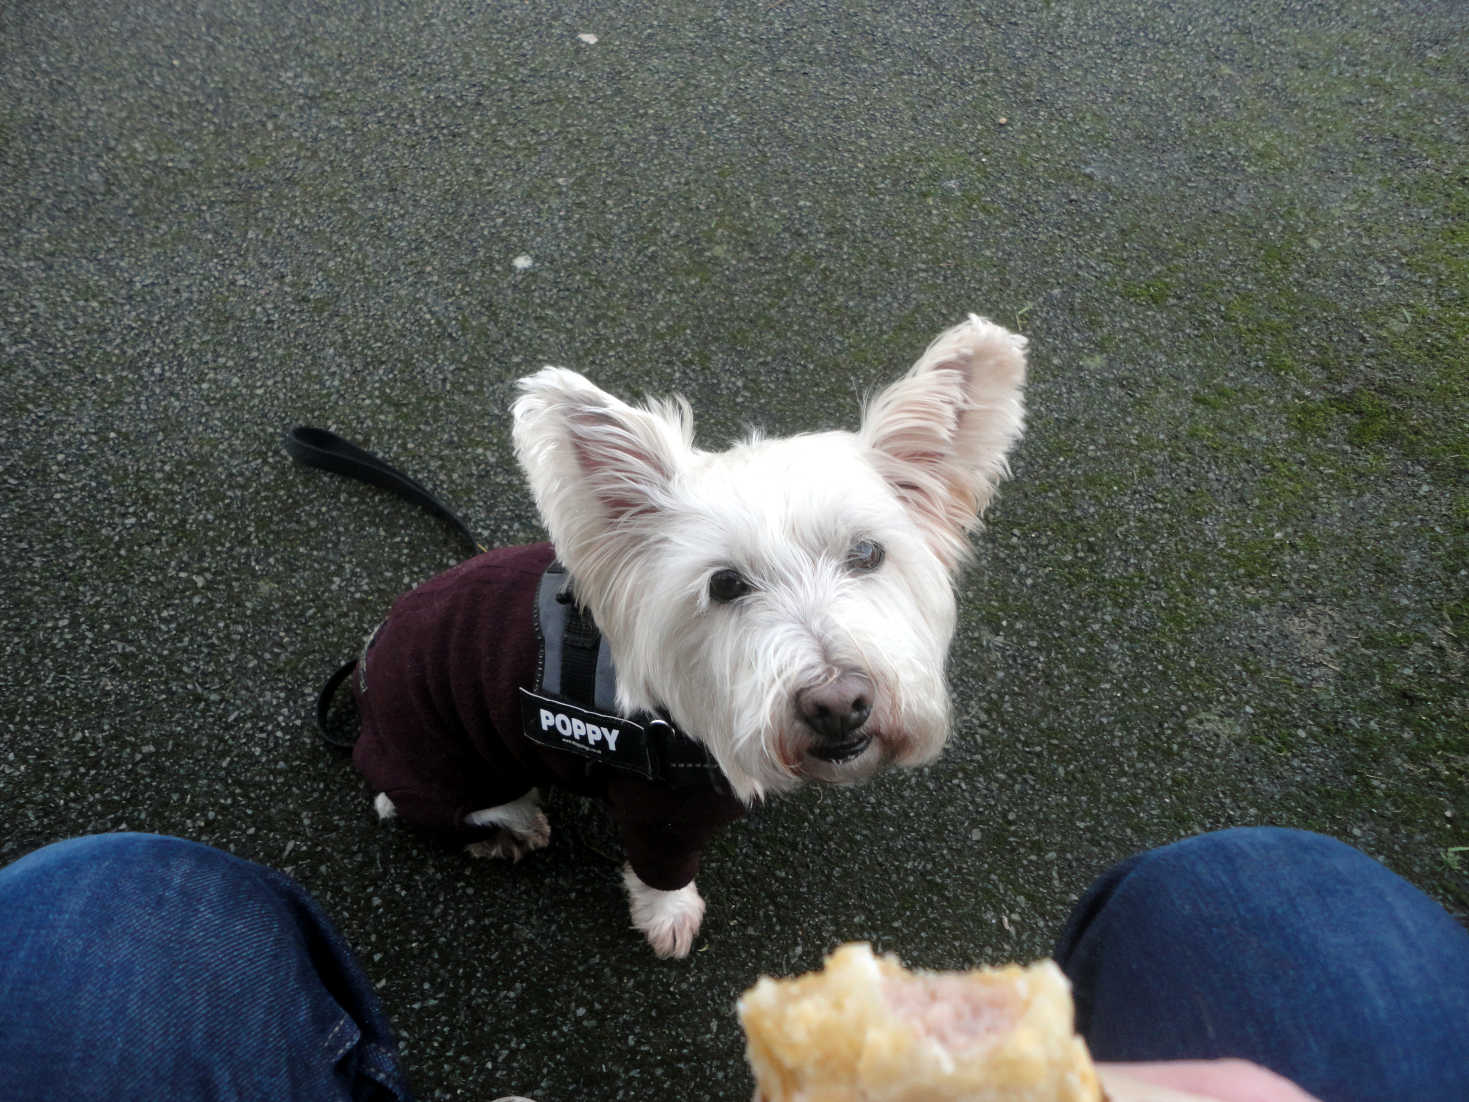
x=771, y=614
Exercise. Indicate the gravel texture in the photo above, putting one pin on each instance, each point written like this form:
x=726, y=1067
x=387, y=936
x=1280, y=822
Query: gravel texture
x=1227, y=584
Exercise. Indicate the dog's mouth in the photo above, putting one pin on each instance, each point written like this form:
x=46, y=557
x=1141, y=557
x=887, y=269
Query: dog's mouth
x=836, y=751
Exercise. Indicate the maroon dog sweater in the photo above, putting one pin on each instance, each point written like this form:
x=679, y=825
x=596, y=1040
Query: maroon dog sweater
x=439, y=692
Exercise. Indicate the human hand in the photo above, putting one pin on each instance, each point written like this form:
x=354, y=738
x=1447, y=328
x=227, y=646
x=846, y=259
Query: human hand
x=1197, y=1081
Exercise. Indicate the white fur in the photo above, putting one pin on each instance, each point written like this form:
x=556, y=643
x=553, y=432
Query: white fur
x=523, y=828
x=521, y=816
x=642, y=519
x=669, y=920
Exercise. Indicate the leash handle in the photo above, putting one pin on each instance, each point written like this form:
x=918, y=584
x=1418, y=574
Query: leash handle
x=320, y=448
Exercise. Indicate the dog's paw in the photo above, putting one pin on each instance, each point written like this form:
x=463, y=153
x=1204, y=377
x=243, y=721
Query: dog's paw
x=384, y=807
x=669, y=920
x=523, y=828
x=532, y=832
x=506, y=845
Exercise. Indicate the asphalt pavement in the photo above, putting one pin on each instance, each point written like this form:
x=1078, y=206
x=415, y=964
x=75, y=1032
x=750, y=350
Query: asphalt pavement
x=1227, y=584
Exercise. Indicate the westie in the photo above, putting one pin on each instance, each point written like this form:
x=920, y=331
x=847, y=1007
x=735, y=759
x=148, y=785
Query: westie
x=771, y=614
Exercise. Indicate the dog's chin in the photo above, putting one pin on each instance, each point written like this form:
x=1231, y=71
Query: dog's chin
x=844, y=761
x=798, y=756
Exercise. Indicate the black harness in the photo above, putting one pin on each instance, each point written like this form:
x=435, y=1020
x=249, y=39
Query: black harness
x=573, y=706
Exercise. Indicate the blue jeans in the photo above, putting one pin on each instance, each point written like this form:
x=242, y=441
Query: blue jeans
x=140, y=967
x=1282, y=947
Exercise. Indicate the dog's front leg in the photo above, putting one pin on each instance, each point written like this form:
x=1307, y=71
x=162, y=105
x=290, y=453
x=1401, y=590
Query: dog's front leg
x=669, y=920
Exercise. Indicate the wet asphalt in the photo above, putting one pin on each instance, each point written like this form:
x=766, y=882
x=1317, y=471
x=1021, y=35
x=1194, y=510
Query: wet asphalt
x=1227, y=583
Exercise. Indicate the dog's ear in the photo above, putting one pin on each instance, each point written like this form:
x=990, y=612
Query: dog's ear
x=941, y=434
x=596, y=465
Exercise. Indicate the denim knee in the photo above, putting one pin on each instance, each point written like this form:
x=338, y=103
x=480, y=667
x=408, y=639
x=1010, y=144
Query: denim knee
x=138, y=966
x=1282, y=946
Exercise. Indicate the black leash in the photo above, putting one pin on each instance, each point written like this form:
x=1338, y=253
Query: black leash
x=331, y=733
x=320, y=448
x=327, y=450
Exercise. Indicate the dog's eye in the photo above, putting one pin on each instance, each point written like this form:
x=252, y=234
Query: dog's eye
x=865, y=555
x=727, y=585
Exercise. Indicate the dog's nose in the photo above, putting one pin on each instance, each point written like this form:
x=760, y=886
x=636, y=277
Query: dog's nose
x=839, y=707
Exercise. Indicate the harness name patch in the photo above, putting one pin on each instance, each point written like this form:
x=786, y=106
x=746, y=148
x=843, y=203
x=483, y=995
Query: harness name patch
x=575, y=728
x=611, y=739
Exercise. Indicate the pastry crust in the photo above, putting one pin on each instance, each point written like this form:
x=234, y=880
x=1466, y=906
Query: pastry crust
x=866, y=1030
